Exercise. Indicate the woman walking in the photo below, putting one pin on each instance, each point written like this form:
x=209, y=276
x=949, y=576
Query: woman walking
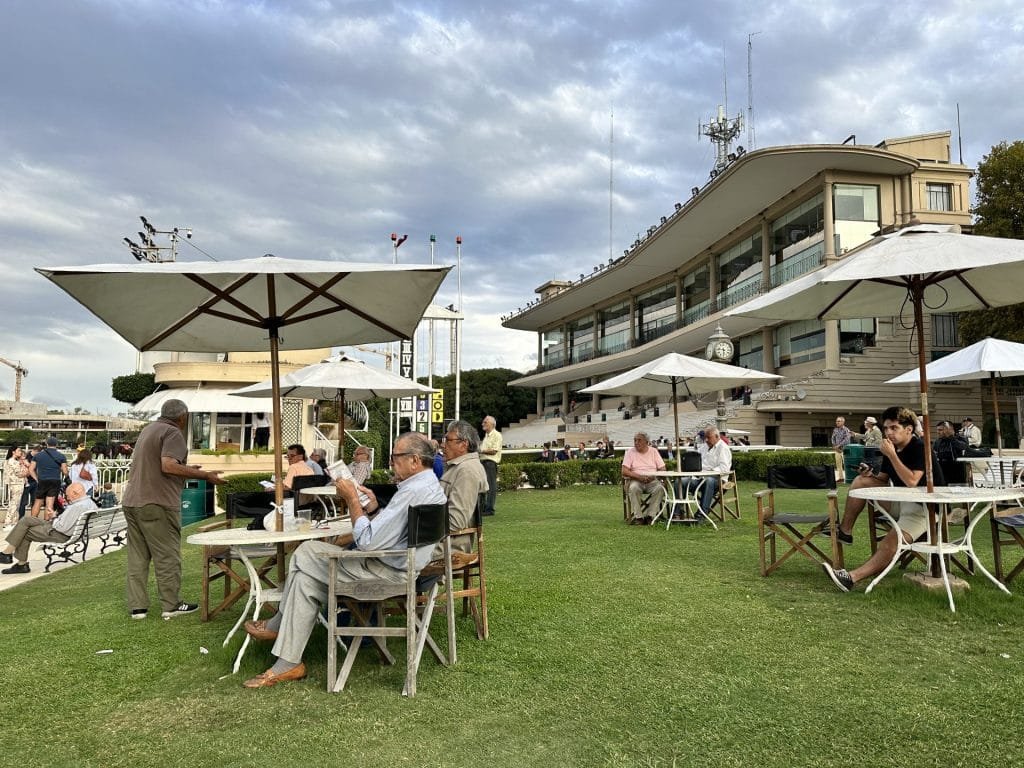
x=15, y=471
x=84, y=471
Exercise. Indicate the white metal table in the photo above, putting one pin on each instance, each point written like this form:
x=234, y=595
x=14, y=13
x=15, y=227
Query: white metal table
x=247, y=544
x=680, y=495
x=982, y=500
x=324, y=494
x=994, y=471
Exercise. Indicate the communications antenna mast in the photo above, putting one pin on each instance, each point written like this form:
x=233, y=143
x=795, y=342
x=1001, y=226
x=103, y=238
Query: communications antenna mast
x=722, y=130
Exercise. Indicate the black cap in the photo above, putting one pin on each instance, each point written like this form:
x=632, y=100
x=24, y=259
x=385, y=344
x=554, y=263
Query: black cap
x=51, y=441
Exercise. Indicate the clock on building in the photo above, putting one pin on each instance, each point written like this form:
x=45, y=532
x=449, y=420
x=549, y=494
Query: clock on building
x=719, y=347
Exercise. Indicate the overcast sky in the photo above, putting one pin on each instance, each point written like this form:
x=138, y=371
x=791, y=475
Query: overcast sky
x=314, y=129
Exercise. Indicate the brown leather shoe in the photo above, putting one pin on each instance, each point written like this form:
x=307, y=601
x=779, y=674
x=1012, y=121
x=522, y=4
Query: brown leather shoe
x=268, y=678
x=257, y=630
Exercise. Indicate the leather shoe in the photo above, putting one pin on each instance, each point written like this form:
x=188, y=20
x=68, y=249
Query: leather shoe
x=257, y=630
x=268, y=678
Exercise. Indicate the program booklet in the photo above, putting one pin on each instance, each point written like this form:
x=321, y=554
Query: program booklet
x=339, y=471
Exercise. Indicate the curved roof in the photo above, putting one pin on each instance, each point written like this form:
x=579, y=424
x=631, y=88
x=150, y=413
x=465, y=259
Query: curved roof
x=743, y=190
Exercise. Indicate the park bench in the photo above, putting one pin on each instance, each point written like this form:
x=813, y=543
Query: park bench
x=106, y=525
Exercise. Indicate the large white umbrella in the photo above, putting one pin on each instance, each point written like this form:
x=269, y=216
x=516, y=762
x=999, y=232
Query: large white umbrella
x=922, y=268
x=340, y=379
x=986, y=359
x=677, y=374
x=265, y=303
x=203, y=399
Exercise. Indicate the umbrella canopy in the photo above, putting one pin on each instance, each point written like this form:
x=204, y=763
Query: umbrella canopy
x=204, y=400
x=929, y=268
x=253, y=304
x=987, y=359
x=677, y=374
x=341, y=379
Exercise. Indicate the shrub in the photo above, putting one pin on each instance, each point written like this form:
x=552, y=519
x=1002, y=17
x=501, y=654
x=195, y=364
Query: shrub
x=753, y=465
x=248, y=482
x=509, y=476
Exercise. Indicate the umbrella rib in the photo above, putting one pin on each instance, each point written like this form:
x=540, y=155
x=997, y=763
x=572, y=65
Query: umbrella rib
x=204, y=308
x=341, y=306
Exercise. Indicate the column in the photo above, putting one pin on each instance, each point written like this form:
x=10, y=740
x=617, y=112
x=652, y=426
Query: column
x=831, y=326
x=767, y=355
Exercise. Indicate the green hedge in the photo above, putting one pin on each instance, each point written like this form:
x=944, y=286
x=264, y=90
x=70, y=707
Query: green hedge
x=753, y=465
x=248, y=482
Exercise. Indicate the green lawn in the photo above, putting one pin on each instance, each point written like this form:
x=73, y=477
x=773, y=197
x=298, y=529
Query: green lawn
x=610, y=646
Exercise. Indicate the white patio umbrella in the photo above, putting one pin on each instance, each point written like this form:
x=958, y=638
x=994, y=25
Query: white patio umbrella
x=986, y=359
x=266, y=303
x=677, y=374
x=925, y=267
x=340, y=379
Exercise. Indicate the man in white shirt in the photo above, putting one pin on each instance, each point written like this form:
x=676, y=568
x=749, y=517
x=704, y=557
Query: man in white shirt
x=718, y=458
x=970, y=433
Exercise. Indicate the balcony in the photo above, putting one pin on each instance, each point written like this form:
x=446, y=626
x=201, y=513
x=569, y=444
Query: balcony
x=798, y=264
x=740, y=292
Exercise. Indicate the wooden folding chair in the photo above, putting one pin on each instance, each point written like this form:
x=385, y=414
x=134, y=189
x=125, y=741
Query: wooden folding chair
x=797, y=531
x=645, y=503
x=367, y=599
x=727, y=496
x=1006, y=532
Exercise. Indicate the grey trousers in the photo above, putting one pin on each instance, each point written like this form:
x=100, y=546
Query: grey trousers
x=491, y=470
x=31, y=529
x=154, y=535
x=305, y=590
x=635, y=492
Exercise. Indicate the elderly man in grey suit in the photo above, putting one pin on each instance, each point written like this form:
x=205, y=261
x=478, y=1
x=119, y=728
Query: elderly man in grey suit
x=306, y=588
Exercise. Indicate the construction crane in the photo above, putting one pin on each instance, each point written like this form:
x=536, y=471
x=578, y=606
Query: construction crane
x=19, y=374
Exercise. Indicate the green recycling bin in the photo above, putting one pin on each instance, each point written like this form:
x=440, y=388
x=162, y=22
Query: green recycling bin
x=193, y=501
x=853, y=455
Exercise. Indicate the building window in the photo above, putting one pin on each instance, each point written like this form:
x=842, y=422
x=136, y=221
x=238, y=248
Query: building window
x=552, y=350
x=656, y=312
x=944, y=331
x=797, y=224
x=752, y=351
x=855, y=202
x=581, y=339
x=799, y=342
x=739, y=272
x=939, y=196
x=613, y=328
x=855, y=335
x=696, y=295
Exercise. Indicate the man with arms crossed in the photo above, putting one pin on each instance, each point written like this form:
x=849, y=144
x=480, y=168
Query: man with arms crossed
x=464, y=479
x=903, y=466
x=637, y=465
x=152, y=508
x=490, y=457
x=305, y=589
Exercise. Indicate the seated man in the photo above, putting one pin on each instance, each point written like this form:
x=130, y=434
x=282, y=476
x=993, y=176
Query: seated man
x=298, y=466
x=717, y=458
x=318, y=458
x=463, y=481
x=31, y=529
x=903, y=466
x=360, y=465
x=637, y=465
x=305, y=589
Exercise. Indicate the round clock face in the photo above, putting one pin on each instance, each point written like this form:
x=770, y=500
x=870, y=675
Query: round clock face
x=723, y=350
x=710, y=351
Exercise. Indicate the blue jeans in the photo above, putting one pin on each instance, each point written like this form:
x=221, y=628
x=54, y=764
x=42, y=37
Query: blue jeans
x=707, y=493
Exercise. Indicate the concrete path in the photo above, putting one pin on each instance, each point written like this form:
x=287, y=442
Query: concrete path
x=37, y=563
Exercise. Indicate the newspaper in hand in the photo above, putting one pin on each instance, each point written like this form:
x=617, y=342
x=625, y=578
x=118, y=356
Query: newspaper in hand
x=339, y=471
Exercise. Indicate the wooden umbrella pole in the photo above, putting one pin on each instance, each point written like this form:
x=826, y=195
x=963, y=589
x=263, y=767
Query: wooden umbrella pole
x=995, y=411
x=675, y=418
x=917, y=295
x=339, y=404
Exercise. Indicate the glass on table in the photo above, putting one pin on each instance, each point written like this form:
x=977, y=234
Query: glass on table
x=303, y=520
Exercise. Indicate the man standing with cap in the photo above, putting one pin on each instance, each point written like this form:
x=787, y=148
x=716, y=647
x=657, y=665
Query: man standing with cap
x=48, y=467
x=872, y=437
x=970, y=433
x=152, y=507
x=490, y=457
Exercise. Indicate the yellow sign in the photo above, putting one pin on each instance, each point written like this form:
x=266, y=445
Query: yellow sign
x=437, y=407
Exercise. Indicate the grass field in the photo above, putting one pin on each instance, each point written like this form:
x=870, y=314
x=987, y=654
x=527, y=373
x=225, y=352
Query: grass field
x=610, y=646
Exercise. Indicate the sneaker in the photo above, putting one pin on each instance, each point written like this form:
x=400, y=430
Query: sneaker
x=139, y=613
x=840, y=577
x=180, y=610
x=17, y=568
x=846, y=538
x=6, y=559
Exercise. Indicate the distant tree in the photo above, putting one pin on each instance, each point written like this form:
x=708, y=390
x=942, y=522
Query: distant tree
x=999, y=213
x=485, y=391
x=20, y=436
x=132, y=387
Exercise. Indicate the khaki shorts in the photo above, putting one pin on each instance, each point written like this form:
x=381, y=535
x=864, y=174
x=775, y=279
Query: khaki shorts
x=912, y=517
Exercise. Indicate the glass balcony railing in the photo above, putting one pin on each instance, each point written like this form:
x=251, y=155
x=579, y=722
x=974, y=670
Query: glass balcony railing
x=740, y=292
x=798, y=264
x=696, y=312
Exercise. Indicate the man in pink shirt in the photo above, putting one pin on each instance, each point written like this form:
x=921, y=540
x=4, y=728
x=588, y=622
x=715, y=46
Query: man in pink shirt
x=637, y=465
